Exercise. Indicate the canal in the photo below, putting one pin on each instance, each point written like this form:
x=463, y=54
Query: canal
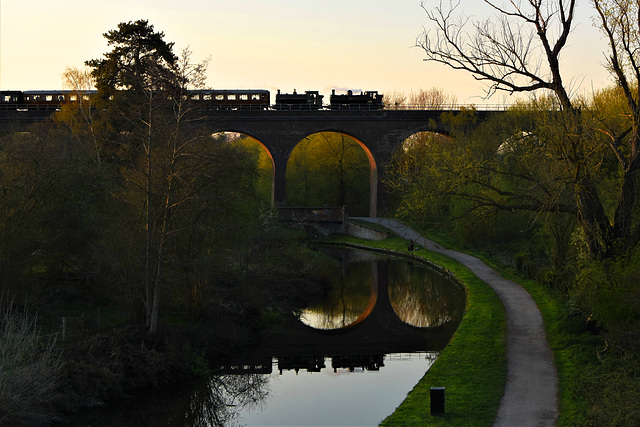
x=349, y=360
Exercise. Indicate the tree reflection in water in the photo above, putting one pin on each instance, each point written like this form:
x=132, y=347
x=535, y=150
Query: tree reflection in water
x=423, y=298
x=220, y=402
x=418, y=295
x=349, y=298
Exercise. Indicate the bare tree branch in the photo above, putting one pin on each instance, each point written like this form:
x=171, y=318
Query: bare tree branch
x=505, y=55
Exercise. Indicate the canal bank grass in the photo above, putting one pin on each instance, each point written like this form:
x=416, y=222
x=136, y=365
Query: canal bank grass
x=573, y=345
x=472, y=367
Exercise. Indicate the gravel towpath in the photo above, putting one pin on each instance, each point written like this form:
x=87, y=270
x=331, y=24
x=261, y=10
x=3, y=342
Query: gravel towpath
x=530, y=395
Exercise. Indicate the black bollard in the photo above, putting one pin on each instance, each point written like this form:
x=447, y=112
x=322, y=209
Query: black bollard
x=437, y=400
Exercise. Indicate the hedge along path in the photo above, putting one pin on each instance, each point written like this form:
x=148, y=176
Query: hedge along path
x=531, y=389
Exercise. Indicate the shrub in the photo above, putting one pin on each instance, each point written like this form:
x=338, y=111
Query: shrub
x=610, y=292
x=29, y=367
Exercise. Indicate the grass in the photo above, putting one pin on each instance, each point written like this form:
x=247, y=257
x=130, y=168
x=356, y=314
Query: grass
x=472, y=367
x=572, y=344
x=470, y=384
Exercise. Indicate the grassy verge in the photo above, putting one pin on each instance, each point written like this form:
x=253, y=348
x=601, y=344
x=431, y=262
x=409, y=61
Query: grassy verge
x=472, y=367
x=572, y=344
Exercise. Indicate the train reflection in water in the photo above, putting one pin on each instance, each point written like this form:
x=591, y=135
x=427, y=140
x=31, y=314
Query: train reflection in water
x=309, y=376
x=375, y=308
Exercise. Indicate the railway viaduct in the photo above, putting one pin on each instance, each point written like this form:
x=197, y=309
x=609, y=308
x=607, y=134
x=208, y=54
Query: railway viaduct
x=379, y=132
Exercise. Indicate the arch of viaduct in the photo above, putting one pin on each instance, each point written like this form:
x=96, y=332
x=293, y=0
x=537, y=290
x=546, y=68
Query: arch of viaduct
x=379, y=132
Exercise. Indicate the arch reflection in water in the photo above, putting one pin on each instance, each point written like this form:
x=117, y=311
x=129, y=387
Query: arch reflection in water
x=349, y=297
x=282, y=380
x=419, y=295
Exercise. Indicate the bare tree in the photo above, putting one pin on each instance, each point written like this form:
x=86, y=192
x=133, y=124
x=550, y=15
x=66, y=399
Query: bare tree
x=619, y=20
x=518, y=52
x=434, y=98
x=78, y=115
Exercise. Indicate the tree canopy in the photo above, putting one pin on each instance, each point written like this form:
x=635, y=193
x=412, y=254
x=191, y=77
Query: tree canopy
x=140, y=59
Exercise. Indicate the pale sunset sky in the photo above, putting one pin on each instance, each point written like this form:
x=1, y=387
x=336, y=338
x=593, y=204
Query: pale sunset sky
x=267, y=44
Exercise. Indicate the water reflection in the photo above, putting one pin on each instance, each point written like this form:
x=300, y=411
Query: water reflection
x=218, y=401
x=385, y=318
x=221, y=401
x=424, y=298
x=349, y=298
x=419, y=295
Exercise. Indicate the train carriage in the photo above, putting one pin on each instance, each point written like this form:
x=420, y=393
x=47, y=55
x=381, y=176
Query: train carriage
x=53, y=99
x=236, y=99
x=11, y=99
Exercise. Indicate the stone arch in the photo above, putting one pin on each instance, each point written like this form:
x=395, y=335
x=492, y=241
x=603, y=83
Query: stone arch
x=371, y=158
x=416, y=130
x=265, y=148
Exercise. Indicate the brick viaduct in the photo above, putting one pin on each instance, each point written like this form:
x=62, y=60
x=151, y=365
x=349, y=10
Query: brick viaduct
x=379, y=132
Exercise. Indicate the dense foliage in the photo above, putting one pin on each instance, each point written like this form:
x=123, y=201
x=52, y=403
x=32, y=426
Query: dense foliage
x=140, y=239
x=329, y=169
x=506, y=188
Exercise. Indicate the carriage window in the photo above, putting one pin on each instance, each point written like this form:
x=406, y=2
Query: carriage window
x=231, y=97
x=195, y=97
x=60, y=97
x=206, y=97
x=244, y=97
x=85, y=97
x=219, y=97
x=73, y=97
x=48, y=98
x=255, y=97
x=6, y=98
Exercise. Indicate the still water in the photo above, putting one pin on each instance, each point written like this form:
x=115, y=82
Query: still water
x=350, y=360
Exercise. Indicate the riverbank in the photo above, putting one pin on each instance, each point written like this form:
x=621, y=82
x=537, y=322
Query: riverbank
x=571, y=342
x=472, y=367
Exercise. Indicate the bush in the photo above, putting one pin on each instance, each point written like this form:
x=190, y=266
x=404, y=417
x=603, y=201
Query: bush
x=29, y=367
x=610, y=292
x=611, y=390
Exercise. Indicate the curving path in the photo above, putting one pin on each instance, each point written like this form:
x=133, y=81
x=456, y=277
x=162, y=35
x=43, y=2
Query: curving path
x=530, y=395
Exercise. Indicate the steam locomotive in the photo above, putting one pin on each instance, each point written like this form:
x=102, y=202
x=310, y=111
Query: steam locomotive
x=369, y=100
x=247, y=99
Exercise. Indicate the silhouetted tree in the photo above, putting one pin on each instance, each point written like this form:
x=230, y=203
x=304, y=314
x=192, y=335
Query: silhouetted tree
x=520, y=52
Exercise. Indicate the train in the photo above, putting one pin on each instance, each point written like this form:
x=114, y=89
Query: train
x=217, y=99
x=369, y=100
x=40, y=99
x=310, y=100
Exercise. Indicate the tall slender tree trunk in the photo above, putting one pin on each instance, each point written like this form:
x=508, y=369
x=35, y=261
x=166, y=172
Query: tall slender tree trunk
x=148, y=226
x=593, y=219
x=157, y=283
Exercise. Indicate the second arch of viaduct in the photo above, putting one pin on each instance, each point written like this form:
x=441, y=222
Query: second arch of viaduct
x=379, y=132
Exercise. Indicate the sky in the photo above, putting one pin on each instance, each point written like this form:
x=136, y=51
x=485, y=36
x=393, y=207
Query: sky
x=267, y=44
